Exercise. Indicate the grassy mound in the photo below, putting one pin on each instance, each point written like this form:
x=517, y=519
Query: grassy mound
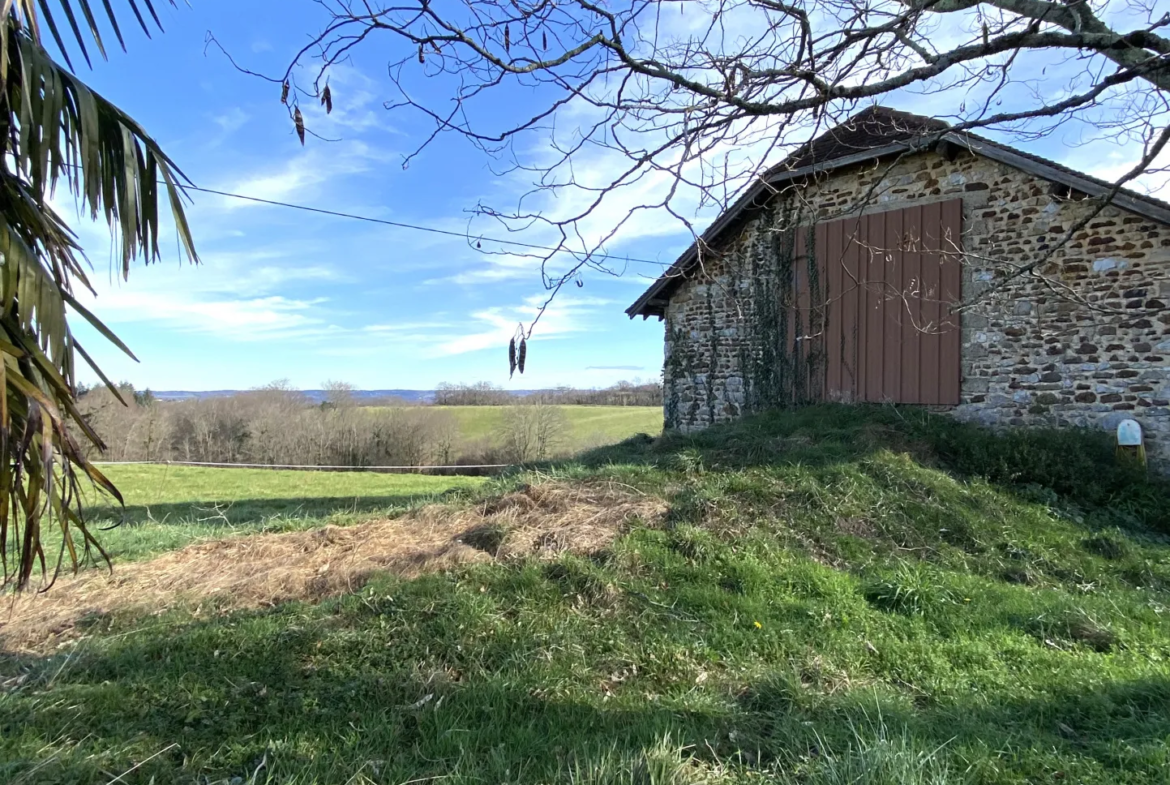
x=836, y=595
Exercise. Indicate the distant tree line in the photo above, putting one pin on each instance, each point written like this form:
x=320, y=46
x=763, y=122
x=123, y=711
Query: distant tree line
x=277, y=425
x=486, y=394
x=620, y=394
x=479, y=394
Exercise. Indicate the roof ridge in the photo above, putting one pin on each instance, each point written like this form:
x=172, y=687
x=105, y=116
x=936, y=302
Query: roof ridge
x=874, y=126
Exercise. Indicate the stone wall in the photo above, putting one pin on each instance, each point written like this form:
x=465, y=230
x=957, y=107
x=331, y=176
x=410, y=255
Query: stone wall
x=1086, y=344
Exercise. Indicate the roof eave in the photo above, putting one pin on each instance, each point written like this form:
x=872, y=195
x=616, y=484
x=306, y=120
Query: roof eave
x=1088, y=185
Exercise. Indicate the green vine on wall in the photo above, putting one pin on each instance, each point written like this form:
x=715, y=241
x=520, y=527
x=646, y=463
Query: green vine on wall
x=712, y=353
x=780, y=349
x=677, y=367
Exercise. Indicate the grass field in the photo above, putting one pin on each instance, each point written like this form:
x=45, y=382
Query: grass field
x=838, y=595
x=589, y=426
x=170, y=506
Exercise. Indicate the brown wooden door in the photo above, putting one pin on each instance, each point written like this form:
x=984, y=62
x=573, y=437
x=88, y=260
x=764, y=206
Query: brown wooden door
x=874, y=314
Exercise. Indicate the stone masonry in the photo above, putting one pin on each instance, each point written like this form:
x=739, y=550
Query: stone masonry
x=1085, y=344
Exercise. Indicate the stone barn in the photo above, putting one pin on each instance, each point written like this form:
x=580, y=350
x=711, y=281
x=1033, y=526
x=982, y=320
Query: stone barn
x=892, y=259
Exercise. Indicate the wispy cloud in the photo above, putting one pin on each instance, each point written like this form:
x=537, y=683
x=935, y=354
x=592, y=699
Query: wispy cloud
x=301, y=175
x=494, y=327
x=241, y=319
x=231, y=120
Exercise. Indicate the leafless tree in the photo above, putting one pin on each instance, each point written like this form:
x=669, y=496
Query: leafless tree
x=691, y=96
x=339, y=395
x=531, y=432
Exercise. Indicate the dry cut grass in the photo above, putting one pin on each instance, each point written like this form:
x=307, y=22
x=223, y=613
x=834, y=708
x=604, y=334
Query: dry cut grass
x=265, y=570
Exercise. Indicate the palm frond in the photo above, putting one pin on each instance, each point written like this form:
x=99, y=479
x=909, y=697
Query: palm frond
x=29, y=13
x=56, y=130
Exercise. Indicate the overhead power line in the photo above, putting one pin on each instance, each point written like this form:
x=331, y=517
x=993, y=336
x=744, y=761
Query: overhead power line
x=419, y=228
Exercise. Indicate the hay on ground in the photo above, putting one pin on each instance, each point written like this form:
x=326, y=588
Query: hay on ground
x=268, y=569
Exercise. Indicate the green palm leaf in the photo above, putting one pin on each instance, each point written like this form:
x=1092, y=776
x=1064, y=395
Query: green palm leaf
x=57, y=130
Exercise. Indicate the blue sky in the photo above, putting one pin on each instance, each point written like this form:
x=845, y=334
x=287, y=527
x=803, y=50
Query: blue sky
x=283, y=294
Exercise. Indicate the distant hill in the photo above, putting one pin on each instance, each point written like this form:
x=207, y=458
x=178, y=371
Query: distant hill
x=414, y=396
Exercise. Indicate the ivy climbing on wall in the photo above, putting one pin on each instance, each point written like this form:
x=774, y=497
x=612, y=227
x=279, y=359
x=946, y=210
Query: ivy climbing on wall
x=766, y=295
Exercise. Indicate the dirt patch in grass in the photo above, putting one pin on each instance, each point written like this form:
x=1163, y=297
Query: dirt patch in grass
x=268, y=569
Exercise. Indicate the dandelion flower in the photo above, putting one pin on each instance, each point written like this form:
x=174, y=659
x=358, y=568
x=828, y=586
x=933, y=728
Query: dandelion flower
x=758, y=625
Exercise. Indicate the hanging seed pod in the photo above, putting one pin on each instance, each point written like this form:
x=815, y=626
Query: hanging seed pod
x=521, y=355
x=511, y=357
x=543, y=41
x=327, y=99
x=507, y=38
x=422, y=58
x=299, y=122
x=478, y=244
x=284, y=93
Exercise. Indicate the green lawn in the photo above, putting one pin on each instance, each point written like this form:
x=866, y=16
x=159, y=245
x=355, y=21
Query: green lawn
x=589, y=426
x=838, y=595
x=170, y=506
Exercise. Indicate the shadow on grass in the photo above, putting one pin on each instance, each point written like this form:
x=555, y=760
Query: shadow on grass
x=1070, y=469
x=283, y=697
x=238, y=512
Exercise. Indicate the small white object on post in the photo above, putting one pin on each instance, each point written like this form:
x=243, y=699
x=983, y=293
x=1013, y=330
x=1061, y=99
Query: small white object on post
x=1130, y=445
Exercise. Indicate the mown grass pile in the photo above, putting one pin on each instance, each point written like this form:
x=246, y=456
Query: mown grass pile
x=834, y=596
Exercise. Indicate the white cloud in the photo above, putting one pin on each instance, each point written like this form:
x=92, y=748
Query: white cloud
x=299, y=177
x=243, y=319
x=231, y=120
x=494, y=327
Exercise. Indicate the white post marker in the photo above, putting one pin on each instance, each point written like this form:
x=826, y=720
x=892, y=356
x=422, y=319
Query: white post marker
x=1130, y=445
